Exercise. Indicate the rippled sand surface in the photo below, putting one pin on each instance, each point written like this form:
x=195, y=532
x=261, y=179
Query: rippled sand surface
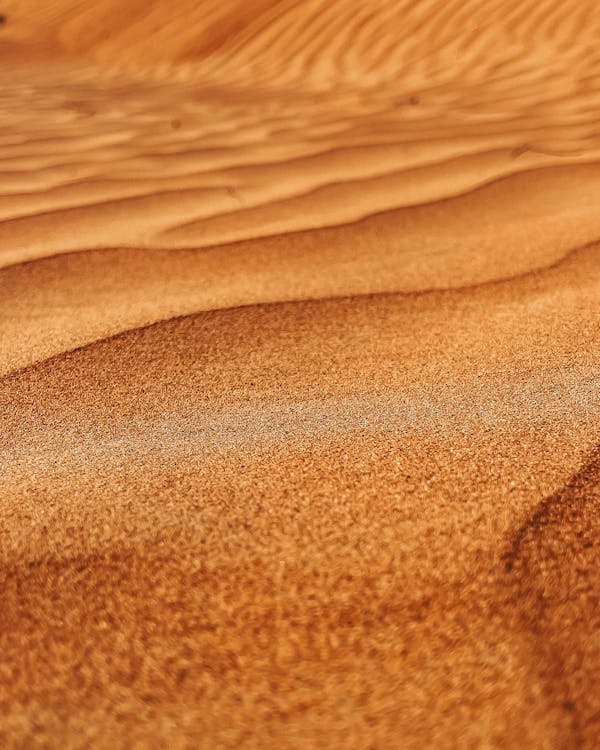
x=300, y=374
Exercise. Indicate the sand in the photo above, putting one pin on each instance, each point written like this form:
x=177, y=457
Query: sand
x=300, y=374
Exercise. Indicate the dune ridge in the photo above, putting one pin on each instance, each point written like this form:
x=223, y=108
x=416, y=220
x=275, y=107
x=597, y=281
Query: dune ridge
x=299, y=374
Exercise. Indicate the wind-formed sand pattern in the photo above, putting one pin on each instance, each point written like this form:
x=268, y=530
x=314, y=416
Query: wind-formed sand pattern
x=300, y=374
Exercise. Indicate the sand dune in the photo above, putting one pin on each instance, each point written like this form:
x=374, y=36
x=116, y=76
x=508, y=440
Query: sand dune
x=299, y=374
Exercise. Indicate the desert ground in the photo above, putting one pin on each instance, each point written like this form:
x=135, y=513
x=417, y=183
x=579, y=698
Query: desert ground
x=300, y=374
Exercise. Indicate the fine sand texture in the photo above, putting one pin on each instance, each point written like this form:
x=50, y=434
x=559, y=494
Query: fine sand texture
x=300, y=374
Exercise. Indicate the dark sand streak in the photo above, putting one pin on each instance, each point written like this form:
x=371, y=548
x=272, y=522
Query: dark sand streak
x=552, y=558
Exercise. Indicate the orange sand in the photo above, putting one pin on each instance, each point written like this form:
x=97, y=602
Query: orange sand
x=300, y=374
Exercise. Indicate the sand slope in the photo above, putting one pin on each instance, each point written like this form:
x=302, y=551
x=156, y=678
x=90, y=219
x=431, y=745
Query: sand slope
x=299, y=374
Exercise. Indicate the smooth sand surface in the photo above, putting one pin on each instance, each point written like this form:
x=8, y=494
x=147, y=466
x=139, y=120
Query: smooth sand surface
x=300, y=374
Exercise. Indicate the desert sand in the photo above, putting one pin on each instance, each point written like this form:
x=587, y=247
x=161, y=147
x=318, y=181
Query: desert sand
x=300, y=374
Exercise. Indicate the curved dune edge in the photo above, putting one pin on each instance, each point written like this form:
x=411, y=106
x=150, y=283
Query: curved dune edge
x=104, y=292
x=39, y=336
